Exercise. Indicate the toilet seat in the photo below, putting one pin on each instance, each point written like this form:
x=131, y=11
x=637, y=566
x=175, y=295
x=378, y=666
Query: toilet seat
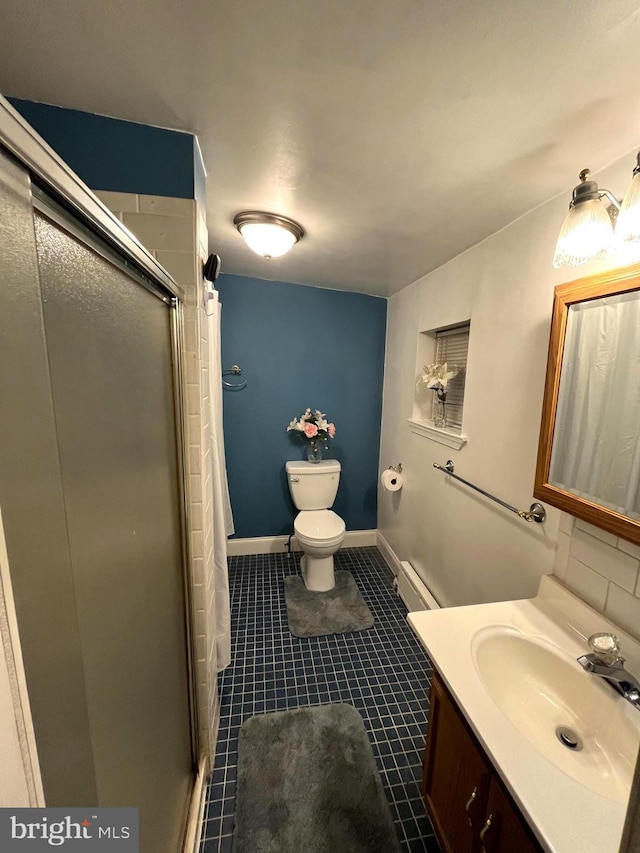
x=320, y=524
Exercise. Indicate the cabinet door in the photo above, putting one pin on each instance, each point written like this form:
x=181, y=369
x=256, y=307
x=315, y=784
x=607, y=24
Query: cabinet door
x=456, y=777
x=505, y=830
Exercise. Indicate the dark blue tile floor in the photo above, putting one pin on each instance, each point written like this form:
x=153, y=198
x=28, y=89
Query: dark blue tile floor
x=383, y=672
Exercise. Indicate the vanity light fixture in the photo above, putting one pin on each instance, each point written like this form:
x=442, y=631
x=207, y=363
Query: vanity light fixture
x=628, y=224
x=268, y=234
x=587, y=232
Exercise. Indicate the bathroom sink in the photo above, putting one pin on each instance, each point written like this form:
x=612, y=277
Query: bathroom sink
x=574, y=719
x=511, y=667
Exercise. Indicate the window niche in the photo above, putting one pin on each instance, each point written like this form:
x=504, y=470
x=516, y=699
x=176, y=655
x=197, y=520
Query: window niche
x=437, y=411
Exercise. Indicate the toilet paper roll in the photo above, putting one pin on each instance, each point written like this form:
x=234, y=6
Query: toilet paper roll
x=391, y=480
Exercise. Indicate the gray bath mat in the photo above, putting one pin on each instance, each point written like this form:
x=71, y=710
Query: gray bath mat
x=338, y=611
x=308, y=783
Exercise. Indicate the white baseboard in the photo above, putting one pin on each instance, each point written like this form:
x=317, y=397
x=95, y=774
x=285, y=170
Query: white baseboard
x=360, y=538
x=257, y=545
x=390, y=556
x=278, y=544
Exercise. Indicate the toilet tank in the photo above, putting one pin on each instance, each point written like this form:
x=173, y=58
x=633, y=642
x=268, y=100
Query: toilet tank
x=313, y=485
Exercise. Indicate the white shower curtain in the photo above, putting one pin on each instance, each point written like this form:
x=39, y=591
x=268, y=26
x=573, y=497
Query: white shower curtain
x=222, y=516
x=596, y=445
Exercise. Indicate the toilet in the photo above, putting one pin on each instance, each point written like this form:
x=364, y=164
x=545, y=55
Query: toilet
x=320, y=532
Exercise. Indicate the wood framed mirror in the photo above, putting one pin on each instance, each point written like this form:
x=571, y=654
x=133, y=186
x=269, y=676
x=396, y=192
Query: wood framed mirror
x=589, y=450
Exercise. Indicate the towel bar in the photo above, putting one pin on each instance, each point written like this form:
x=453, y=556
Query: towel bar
x=536, y=511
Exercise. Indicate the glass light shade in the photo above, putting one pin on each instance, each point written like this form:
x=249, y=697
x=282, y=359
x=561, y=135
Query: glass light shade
x=628, y=223
x=586, y=234
x=267, y=239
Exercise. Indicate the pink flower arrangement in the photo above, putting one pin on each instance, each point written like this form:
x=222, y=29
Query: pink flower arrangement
x=312, y=426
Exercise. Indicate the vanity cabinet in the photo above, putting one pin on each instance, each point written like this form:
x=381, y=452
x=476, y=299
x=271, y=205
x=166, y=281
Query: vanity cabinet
x=469, y=807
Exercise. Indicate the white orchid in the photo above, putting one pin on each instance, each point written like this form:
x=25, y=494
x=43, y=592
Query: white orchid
x=437, y=376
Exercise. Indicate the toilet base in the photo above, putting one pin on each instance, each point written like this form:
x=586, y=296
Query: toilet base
x=317, y=573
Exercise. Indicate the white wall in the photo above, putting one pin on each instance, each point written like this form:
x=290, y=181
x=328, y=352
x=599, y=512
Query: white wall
x=466, y=548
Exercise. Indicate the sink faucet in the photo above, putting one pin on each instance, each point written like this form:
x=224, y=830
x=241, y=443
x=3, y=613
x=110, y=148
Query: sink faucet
x=605, y=661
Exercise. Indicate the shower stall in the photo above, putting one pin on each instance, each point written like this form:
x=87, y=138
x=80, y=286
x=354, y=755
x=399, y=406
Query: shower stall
x=92, y=501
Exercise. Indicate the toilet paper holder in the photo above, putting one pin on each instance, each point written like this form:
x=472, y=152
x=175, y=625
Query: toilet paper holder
x=397, y=468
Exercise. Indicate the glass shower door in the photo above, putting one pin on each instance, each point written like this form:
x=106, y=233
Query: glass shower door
x=110, y=359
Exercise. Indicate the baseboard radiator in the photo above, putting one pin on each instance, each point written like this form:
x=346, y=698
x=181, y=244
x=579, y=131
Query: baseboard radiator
x=413, y=590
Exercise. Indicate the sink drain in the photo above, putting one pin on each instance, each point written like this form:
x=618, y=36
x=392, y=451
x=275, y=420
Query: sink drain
x=569, y=738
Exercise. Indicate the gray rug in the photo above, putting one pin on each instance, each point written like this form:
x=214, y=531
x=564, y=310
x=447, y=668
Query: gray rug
x=338, y=611
x=308, y=783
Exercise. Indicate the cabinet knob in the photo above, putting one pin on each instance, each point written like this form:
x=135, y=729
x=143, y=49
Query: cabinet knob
x=470, y=802
x=483, y=832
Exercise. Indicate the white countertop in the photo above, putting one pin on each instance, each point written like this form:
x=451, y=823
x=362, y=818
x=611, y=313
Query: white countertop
x=565, y=815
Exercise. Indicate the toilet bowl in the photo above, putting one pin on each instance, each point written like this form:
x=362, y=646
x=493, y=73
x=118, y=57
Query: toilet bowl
x=320, y=534
x=319, y=530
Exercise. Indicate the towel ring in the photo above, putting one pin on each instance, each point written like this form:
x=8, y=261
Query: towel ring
x=230, y=386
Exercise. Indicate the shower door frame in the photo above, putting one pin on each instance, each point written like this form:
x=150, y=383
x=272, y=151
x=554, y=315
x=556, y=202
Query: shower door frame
x=84, y=213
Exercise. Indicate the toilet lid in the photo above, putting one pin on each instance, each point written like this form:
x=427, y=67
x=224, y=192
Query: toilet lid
x=319, y=524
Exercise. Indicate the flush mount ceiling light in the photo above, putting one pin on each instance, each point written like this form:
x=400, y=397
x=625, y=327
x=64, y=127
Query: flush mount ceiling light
x=267, y=234
x=587, y=231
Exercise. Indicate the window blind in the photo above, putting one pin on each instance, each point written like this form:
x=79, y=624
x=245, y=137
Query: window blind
x=452, y=346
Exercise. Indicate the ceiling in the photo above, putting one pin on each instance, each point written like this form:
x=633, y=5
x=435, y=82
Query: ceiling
x=397, y=132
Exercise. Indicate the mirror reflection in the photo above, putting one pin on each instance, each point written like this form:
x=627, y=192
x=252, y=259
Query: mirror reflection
x=596, y=442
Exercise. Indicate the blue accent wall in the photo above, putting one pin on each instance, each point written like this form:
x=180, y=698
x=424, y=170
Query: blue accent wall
x=300, y=346
x=111, y=154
